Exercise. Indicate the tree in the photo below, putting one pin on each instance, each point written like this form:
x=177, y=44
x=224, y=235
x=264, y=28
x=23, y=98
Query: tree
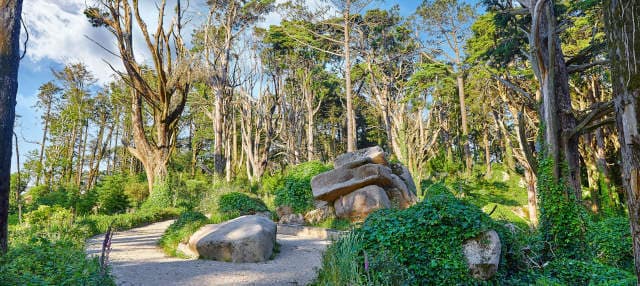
x=163, y=88
x=46, y=96
x=447, y=23
x=623, y=33
x=10, y=18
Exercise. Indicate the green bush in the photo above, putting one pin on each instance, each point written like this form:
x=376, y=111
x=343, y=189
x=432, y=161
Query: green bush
x=111, y=195
x=97, y=224
x=160, y=198
x=136, y=192
x=40, y=261
x=296, y=188
x=576, y=272
x=181, y=230
x=609, y=239
x=241, y=203
x=426, y=238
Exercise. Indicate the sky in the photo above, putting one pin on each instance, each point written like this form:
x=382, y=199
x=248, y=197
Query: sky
x=59, y=34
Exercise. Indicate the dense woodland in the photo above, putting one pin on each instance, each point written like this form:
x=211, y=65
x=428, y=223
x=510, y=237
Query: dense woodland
x=524, y=111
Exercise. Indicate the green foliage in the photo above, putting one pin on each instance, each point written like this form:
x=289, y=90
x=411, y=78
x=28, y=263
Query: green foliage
x=296, y=190
x=111, y=195
x=562, y=220
x=335, y=223
x=241, y=203
x=97, y=224
x=420, y=245
x=160, y=198
x=576, y=272
x=426, y=238
x=40, y=261
x=610, y=240
x=181, y=230
x=136, y=192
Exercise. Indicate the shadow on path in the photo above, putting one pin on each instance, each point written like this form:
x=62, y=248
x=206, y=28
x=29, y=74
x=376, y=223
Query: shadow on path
x=137, y=260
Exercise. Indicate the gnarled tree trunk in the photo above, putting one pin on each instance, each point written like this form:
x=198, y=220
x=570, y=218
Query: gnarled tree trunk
x=623, y=33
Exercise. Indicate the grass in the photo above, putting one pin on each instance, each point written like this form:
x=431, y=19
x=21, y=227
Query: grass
x=180, y=231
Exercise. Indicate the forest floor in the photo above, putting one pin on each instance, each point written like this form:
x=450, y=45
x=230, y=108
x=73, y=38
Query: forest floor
x=137, y=260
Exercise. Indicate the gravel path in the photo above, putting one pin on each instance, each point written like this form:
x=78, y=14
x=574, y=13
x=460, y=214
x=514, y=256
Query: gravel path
x=137, y=260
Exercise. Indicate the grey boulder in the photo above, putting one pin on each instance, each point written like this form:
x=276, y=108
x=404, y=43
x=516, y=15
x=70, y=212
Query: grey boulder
x=373, y=154
x=333, y=184
x=248, y=238
x=483, y=254
x=360, y=203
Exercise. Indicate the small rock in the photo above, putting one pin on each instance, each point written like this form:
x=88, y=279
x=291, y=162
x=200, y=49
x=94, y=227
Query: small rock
x=318, y=204
x=360, y=203
x=249, y=238
x=483, y=254
x=373, y=154
x=183, y=248
x=292, y=219
x=283, y=211
x=319, y=214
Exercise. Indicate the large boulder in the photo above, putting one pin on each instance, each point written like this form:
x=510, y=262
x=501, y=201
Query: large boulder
x=483, y=254
x=333, y=184
x=248, y=238
x=353, y=159
x=403, y=172
x=399, y=193
x=360, y=203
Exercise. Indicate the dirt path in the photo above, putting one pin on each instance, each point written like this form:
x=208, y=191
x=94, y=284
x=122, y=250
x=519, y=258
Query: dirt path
x=136, y=260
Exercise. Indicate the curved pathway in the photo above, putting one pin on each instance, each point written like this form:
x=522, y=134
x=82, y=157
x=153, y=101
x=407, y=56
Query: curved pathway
x=136, y=260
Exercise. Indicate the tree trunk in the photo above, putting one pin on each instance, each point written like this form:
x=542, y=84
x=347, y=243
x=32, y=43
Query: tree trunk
x=465, y=132
x=623, y=33
x=531, y=181
x=557, y=116
x=43, y=142
x=351, y=128
x=487, y=152
x=10, y=13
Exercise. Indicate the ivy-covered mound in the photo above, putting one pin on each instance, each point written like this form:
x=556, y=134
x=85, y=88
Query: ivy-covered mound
x=426, y=240
x=421, y=245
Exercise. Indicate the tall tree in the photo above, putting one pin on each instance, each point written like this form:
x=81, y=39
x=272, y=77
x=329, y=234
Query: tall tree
x=447, y=24
x=46, y=96
x=10, y=17
x=163, y=87
x=623, y=33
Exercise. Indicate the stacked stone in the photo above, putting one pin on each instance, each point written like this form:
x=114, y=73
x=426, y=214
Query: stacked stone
x=362, y=182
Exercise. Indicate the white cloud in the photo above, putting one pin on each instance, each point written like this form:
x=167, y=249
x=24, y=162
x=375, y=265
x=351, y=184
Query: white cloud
x=58, y=31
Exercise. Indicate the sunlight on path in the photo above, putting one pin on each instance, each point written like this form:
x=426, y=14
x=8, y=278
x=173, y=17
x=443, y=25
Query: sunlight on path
x=136, y=260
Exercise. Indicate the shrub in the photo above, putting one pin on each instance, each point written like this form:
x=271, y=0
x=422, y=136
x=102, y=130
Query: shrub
x=426, y=238
x=97, y=224
x=181, y=230
x=241, y=203
x=609, y=239
x=136, y=192
x=111, y=195
x=296, y=188
x=576, y=272
x=40, y=261
x=160, y=198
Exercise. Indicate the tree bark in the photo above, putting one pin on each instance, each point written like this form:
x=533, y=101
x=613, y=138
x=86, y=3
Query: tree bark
x=623, y=33
x=351, y=122
x=10, y=15
x=550, y=68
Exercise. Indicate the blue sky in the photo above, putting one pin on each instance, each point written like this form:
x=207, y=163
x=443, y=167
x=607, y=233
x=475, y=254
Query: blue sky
x=59, y=34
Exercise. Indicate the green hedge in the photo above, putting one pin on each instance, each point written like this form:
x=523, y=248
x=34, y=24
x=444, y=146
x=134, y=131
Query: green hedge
x=241, y=203
x=295, y=188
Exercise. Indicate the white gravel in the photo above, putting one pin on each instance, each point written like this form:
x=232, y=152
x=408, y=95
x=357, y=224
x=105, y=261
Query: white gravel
x=136, y=260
